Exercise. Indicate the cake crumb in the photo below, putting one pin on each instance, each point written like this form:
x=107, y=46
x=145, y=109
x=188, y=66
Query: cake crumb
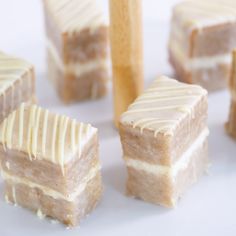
x=7, y=199
x=54, y=222
x=8, y=165
x=40, y=214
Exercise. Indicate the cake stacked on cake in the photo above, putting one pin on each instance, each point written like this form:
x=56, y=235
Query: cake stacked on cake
x=202, y=38
x=164, y=138
x=231, y=124
x=50, y=164
x=17, y=84
x=77, y=44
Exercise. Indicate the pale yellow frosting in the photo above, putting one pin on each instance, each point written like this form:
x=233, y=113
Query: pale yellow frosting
x=202, y=13
x=11, y=70
x=75, y=15
x=43, y=135
x=163, y=106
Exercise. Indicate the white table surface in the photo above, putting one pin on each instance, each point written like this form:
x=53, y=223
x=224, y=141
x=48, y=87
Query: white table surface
x=208, y=208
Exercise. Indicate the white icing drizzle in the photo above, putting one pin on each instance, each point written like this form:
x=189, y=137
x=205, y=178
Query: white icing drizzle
x=203, y=13
x=73, y=130
x=30, y=128
x=35, y=132
x=163, y=106
x=21, y=125
x=43, y=135
x=54, y=132
x=72, y=15
x=79, y=133
x=62, y=134
x=11, y=71
x=10, y=124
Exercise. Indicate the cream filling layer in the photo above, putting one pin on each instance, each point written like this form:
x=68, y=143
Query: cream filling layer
x=207, y=62
x=75, y=68
x=172, y=171
x=50, y=192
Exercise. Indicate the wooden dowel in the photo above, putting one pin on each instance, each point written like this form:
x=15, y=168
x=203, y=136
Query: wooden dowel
x=231, y=124
x=126, y=52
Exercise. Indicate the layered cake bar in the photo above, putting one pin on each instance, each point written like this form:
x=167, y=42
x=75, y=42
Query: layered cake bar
x=77, y=43
x=230, y=126
x=164, y=139
x=50, y=164
x=203, y=35
x=17, y=84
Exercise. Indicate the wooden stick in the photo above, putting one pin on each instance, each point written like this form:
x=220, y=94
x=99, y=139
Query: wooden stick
x=127, y=53
x=231, y=124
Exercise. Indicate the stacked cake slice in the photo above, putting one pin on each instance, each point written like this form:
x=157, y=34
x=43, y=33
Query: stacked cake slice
x=17, y=84
x=203, y=35
x=50, y=164
x=77, y=44
x=164, y=138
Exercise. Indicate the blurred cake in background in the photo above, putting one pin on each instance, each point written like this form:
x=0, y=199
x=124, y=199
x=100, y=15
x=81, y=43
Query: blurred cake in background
x=203, y=35
x=17, y=84
x=77, y=48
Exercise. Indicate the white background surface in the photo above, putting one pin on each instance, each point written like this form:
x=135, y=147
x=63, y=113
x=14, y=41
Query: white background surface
x=208, y=208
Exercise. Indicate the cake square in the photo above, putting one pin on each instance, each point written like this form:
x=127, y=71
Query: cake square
x=201, y=41
x=230, y=126
x=77, y=49
x=50, y=164
x=17, y=84
x=164, y=140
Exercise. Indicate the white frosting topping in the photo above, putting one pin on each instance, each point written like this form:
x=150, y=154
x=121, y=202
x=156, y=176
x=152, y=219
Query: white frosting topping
x=11, y=70
x=163, y=106
x=75, y=15
x=76, y=68
x=202, y=13
x=172, y=171
x=43, y=135
x=50, y=192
